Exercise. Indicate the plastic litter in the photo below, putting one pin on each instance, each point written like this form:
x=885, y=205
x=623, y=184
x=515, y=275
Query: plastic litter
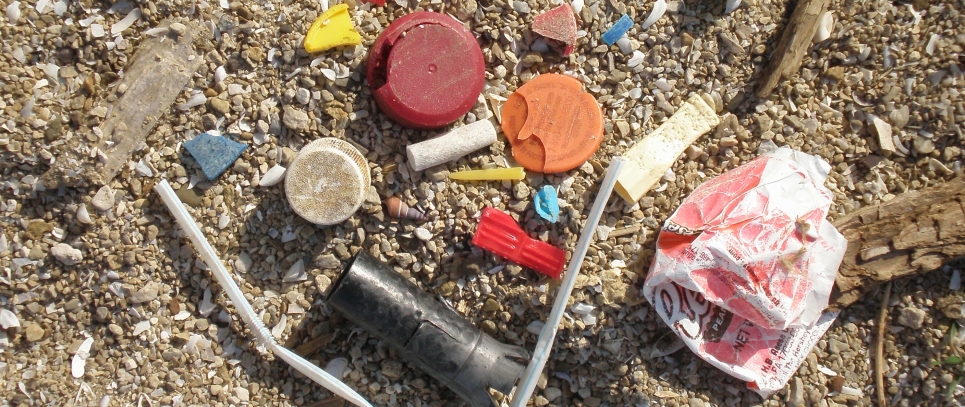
x=331, y=29
x=547, y=335
x=376, y=2
x=546, y=203
x=745, y=266
x=214, y=153
x=558, y=24
x=258, y=329
x=652, y=156
x=451, y=146
x=621, y=27
x=552, y=124
x=427, y=333
x=495, y=174
x=426, y=70
x=327, y=181
x=398, y=209
x=499, y=233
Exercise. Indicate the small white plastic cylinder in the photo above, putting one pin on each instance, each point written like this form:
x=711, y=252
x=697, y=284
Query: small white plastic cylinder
x=451, y=146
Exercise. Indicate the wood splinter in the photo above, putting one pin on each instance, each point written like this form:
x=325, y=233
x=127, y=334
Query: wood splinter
x=794, y=43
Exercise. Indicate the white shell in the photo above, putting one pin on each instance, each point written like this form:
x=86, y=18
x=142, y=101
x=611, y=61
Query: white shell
x=83, y=216
x=577, y=6
x=126, y=22
x=273, y=176
x=932, y=44
x=825, y=25
x=80, y=358
x=659, y=8
x=207, y=306
x=13, y=12
x=279, y=328
x=732, y=5
x=141, y=327
x=336, y=367
x=296, y=272
x=8, y=319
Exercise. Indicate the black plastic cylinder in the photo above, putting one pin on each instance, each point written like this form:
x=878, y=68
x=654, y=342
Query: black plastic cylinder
x=425, y=332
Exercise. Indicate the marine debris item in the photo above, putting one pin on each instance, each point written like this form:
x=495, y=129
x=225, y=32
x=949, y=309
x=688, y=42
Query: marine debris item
x=327, y=181
x=157, y=73
x=237, y=297
x=621, y=27
x=652, y=156
x=494, y=174
x=499, y=233
x=558, y=24
x=427, y=333
x=552, y=124
x=214, y=153
x=398, y=209
x=754, y=245
x=546, y=203
x=331, y=29
x=548, y=334
x=426, y=70
x=794, y=43
x=451, y=146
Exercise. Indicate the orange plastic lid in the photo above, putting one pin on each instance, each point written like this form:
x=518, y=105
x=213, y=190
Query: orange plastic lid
x=552, y=124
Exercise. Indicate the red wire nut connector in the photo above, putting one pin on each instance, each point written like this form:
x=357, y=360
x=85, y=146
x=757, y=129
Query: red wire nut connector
x=499, y=233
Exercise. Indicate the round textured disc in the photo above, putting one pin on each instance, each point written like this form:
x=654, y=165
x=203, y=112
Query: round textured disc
x=326, y=181
x=552, y=124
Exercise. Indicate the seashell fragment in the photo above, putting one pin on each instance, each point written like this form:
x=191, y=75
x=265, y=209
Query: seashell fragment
x=883, y=131
x=732, y=5
x=932, y=44
x=13, y=12
x=79, y=361
x=825, y=25
x=273, y=176
x=659, y=8
x=399, y=209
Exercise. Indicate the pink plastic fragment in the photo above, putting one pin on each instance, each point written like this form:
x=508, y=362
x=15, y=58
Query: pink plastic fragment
x=558, y=24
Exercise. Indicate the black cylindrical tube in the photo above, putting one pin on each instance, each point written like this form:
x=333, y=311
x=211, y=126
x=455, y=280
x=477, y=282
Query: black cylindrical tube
x=425, y=332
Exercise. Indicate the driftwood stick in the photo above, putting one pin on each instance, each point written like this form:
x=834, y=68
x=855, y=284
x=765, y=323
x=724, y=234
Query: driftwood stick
x=794, y=43
x=153, y=79
x=880, y=348
x=914, y=233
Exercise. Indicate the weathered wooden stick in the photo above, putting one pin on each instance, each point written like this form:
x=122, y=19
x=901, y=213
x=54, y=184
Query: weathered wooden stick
x=794, y=43
x=911, y=234
x=157, y=73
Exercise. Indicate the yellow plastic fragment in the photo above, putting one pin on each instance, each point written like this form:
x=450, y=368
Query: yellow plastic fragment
x=497, y=174
x=332, y=29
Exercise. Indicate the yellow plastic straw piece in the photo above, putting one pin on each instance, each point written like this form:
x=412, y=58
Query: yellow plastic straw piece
x=332, y=29
x=497, y=174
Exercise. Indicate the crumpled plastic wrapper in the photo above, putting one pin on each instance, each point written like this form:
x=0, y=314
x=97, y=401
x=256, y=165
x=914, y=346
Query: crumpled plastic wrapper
x=745, y=266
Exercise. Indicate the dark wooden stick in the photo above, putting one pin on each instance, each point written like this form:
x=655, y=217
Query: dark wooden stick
x=794, y=43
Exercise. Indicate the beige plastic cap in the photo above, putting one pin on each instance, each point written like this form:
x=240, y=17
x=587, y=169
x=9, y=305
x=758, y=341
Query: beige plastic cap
x=327, y=181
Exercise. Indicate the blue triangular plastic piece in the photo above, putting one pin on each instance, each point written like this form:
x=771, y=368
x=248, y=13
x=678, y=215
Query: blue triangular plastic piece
x=214, y=153
x=546, y=203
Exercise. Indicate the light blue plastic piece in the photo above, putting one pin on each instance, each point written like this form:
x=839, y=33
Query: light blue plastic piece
x=214, y=153
x=621, y=27
x=547, y=206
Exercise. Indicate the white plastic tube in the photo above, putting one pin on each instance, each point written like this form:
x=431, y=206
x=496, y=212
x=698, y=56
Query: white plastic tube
x=237, y=298
x=546, y=337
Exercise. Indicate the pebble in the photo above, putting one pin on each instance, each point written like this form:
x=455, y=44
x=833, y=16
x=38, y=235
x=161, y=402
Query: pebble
x=220, y=105
x=912, y=317
x=295, y=119
x=303, y=96
x=552, y=393
x=241, y=393
x=146, y=293
x=103, y=199
x=423, y=234
x=67, y=254
x=328, y=261
x=33, y=333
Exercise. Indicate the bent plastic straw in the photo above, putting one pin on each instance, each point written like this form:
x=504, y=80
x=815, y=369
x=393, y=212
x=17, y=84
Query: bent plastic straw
x=237, y=298
x=546, y=337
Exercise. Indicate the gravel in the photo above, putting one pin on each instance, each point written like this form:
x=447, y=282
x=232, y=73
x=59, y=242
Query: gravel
x=136, y=273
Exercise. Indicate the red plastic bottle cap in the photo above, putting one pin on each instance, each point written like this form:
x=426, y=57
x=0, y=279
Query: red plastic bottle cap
x=426, y=70
x=499, y=233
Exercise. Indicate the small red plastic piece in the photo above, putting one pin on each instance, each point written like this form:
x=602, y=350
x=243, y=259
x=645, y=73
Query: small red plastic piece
x=558, y=24
x=499, y=233
x=377, y=2
x=425, y=70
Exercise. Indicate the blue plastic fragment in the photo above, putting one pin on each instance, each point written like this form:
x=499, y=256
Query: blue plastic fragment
x=546, y=203
x=214, y=153
x=621, y=27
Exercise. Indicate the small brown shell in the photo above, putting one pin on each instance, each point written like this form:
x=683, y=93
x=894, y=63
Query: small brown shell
x=399, y=209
